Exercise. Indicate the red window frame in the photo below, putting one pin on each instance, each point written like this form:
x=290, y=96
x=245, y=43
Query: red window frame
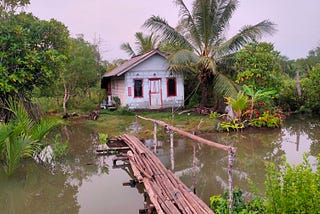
x=134, y=88
x=175, y=87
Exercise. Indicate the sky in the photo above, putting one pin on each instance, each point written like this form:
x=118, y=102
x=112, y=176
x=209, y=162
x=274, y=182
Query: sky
x=113, y=22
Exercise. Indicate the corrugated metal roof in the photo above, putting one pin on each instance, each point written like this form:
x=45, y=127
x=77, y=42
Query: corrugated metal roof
x=126, y=66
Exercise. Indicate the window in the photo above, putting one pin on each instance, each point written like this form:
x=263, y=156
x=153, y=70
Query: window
x=138, y=89
x=171, y=87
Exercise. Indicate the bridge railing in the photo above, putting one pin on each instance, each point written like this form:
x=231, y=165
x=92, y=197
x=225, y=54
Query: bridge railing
x=231, y=150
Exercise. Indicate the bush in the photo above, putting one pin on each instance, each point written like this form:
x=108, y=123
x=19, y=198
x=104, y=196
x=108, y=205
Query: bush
x=59, y=149
x=293, y=189
x=220, y=204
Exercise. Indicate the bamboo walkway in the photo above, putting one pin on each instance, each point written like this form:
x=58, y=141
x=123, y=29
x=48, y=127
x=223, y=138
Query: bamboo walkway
x=166, y=192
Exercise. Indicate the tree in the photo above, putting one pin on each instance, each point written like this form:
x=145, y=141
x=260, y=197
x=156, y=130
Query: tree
x=258, y=66
x=81, y=71
x=202, y=30
x=311, y=89
x=143, y=44
x=31, y=55
x=12, y=5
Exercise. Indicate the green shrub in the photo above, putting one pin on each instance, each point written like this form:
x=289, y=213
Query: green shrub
x=103, y=138
x=220, y=204
x=59, y=149
x=293, y=189
x=267, y=120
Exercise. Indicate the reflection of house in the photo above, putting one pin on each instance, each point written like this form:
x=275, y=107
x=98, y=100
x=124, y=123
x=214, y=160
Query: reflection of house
x=144, y=82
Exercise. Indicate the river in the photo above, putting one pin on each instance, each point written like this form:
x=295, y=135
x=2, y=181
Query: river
x=86, y=183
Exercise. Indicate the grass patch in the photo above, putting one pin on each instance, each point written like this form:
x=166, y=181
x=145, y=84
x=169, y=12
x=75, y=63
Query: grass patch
x=115, y=123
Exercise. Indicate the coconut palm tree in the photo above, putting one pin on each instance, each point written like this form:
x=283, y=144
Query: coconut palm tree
x=143, y=44
x=202, y=30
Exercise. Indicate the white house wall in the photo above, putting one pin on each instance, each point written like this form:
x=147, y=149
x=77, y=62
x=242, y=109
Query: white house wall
x=153, y=68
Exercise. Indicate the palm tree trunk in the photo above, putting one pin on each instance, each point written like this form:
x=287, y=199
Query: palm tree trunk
x=298, y=83
x=204, y=96
x=204, y=80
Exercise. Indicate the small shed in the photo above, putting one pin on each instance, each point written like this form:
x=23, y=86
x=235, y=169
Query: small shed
x=144, y=82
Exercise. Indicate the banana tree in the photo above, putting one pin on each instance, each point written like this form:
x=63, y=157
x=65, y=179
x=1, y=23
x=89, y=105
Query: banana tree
x=256, y=96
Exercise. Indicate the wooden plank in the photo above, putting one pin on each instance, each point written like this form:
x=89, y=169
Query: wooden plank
x=167, y=193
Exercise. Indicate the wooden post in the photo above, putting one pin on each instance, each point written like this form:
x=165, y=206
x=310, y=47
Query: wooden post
x=155, y=141
x=194, y=163
x=137, y=127
x=231, y=154
x=171, y=150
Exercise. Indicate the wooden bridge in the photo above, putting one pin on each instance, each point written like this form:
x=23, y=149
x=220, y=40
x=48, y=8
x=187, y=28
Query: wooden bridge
x=166, y=192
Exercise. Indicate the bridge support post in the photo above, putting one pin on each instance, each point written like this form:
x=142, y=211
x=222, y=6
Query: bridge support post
x=231, y=155
x=155, y=141
x=137, y=127
x=172, y=150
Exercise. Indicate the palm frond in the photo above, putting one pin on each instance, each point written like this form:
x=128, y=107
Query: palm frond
x=183, y=60
x=187, y=22
x=224, y=86
x=224, y=12
x=246, y=35
x=128, y=49
x=161, y=27
x=40, y=130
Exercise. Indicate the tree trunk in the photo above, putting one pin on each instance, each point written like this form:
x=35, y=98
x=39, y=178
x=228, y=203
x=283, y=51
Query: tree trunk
x=204, y=96
x=204, y=79
x=65, y=99
x=298, y=84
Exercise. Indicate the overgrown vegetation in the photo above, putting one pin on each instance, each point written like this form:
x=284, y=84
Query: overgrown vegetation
x=289, y=189
x=60, y=149
x=22, y=137
x=255, y=108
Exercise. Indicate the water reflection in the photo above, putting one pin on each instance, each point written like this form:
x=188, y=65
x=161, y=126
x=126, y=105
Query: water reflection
x=85, y=183
x=206, y=169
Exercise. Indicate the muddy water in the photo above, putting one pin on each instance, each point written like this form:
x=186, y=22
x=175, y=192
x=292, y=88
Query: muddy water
x=85, y=183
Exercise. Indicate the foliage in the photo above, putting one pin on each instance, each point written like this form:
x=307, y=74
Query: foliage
x=258, y=66
x=31, y=54
x=214, y=115
x=103, y=137
x=311, y=88
x=201, y=30
x=220, y=204
x=255, y=96
x=21, y=137
x=144, y=44
x=117, y=100
x=238, y=104
x=233, y=124
x=267, y=120
x=59, y=149
x=82, y=70
x=256, y=109
x=292, y=189
x=12, y=5
x=125, y=110
x=288, y=98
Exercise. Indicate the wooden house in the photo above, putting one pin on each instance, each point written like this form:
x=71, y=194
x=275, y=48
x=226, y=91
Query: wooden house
x=144, y=82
